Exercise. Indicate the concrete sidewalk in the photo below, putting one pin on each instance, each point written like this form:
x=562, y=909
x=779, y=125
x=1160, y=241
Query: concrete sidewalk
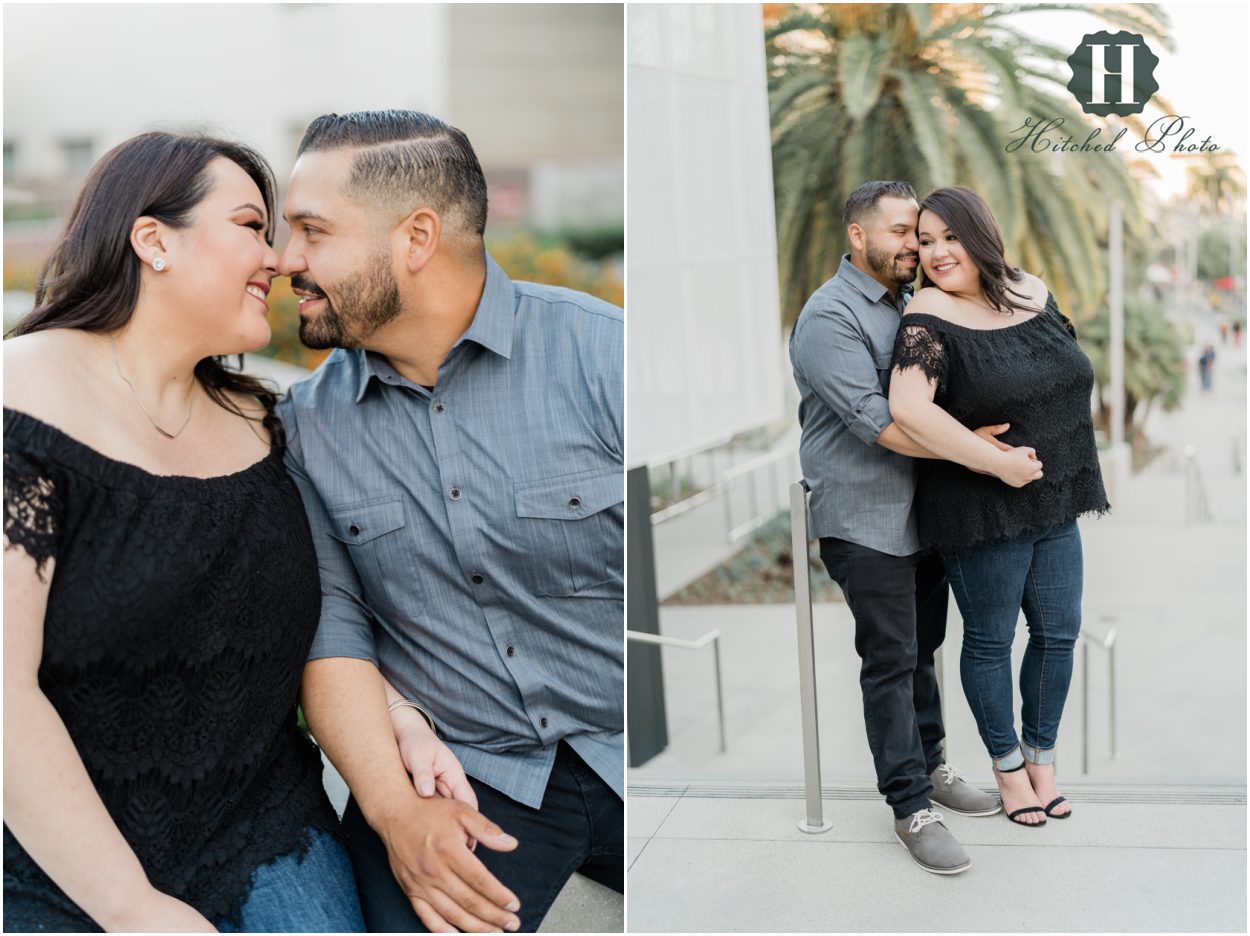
x=1158, y=837
x=730, y=858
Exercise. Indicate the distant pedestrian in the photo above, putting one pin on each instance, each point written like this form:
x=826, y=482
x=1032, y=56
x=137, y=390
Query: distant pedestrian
x=1237, y=333
x=1206, y=364
x=1223, y=331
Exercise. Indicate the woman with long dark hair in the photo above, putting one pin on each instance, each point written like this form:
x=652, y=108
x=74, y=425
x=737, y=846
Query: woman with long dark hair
x=982, y=339
x=161, y=587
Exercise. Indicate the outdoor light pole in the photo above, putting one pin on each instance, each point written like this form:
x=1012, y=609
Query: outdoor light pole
x=1116, y=303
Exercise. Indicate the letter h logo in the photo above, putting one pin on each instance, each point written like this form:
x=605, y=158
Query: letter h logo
x=1095, y=70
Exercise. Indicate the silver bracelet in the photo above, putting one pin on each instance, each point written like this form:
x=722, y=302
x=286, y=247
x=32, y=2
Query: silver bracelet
x=408, y=703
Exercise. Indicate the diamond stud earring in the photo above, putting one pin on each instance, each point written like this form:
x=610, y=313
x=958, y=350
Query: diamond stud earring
x=158, y=264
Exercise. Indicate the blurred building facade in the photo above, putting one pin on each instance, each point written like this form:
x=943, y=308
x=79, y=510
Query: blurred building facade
x=537, y=87
x=705, y=356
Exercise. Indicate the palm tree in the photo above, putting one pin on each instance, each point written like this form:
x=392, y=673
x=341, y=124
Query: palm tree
x=1216, y=182
x=931, y=93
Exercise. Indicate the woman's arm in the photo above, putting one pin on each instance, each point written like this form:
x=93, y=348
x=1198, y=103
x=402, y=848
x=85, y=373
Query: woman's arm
x=912, y=407
x=430, y=762
x=50, y=804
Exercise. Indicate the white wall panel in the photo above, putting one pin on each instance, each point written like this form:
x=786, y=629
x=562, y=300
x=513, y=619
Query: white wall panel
x=703, y=320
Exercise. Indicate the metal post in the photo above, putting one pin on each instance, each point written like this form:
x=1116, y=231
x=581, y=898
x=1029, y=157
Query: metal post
x=815, y=821
x=1111, y=684
x=720, y=696
x=1084, y=708
x=1116, y=302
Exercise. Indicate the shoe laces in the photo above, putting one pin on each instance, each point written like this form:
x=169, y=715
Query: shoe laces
x=949, y=774
x=923, y=818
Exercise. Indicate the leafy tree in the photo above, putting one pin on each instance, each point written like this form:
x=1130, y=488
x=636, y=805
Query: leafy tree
x=1154, y=361
x=931, y=94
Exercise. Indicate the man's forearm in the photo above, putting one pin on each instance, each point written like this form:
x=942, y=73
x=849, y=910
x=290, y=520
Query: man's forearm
x=344, y=703
x=896, y=440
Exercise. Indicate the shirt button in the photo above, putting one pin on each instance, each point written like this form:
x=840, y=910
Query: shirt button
x=354, y=530
x=454, y=493
x=575, y=502
x=543, y=721
x=440, y=408
x=477, y=578
x=512, y=651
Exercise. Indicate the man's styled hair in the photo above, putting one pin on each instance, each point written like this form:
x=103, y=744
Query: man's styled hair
x=863, y=200
x=404, y=159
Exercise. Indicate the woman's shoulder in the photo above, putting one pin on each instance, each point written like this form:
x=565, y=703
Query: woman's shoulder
x=45, y=375
x=932, y=301
x=1033, y=290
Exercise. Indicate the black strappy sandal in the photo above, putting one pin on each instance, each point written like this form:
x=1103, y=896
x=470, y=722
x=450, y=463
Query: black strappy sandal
x=1027, y=809
x=1052, y=804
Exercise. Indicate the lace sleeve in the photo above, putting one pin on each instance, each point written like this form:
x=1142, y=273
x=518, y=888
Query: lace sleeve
x=919, y=345
x=33, y=509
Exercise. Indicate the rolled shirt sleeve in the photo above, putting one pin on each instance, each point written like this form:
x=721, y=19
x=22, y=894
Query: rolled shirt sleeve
x=346, y=628
x=838, y=365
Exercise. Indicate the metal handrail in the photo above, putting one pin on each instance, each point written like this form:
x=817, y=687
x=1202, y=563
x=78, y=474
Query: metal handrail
x=768, y=460
x=815, y=820
x=1197, y=505
x=1105, y=642
x=711, y=637
x=724, y=487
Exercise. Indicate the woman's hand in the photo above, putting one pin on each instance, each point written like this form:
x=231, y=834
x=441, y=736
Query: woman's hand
x=1018, y=466
x=156, y=912
x=432, y=766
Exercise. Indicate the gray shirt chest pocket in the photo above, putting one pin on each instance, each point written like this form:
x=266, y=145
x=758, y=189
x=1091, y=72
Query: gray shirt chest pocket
x=380, y=551
x=572, y=527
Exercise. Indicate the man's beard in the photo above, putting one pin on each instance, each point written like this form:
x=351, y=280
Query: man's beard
x=368, y=301
x=887, y=265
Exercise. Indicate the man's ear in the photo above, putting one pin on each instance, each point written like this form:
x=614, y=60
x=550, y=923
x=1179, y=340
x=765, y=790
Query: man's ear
x=855, y=234
x=149, y=239
x=422, y=233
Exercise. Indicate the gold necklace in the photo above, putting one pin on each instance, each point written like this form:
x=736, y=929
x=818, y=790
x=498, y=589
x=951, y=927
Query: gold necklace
x=168, y=435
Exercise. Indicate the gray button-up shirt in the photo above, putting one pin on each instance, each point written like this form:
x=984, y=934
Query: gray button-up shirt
x=470, y=537
x=840, y=349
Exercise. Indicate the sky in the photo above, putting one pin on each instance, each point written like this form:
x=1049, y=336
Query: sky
x=1205, y=78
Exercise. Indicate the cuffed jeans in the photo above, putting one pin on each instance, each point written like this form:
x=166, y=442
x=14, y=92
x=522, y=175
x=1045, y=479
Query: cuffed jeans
x=899, y=606
x=1041, y=573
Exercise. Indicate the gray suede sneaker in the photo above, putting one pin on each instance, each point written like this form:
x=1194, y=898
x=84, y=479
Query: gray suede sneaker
x=953, y=792
x=930, y=843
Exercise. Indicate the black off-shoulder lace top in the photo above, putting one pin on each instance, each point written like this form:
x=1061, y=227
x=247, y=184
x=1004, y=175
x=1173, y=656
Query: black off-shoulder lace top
x=1032, y=375
x=178, y=621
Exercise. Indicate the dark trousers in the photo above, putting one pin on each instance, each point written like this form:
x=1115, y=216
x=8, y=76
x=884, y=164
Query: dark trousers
x=899, y=605
x=580, y=827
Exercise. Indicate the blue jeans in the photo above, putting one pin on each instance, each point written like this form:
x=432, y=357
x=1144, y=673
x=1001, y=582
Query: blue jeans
x=1041, y=573
x=316, y=895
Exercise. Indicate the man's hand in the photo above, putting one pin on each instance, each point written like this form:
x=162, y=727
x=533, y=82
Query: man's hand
x=990, y=434
x=427, y=843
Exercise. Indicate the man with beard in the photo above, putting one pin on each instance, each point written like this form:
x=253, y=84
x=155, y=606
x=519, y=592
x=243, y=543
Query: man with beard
x=858, y=463
x=460, y=457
